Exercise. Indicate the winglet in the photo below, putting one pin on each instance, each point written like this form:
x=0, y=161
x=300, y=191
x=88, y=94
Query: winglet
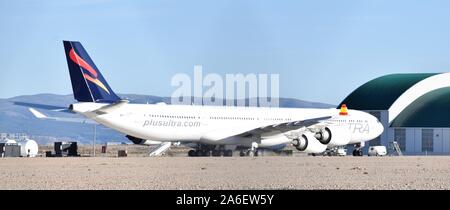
x=36, y=113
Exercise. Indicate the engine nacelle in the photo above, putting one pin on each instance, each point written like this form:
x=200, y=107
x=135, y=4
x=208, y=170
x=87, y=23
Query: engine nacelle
x=333, y=135
x=308, y=143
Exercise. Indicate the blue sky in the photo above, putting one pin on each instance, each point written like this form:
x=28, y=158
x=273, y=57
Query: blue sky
x=322, y=49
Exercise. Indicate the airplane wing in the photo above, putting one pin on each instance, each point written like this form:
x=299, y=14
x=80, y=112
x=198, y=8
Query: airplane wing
x=284, y=127
x=263, y=130
x=39, y=115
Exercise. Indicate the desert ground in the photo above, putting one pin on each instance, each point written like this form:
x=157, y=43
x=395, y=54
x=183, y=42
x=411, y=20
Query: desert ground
x=267, y=172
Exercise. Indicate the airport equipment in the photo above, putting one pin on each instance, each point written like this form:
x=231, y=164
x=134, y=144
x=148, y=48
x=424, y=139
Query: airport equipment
x=121, y=153
x=28, y=148
x=48, y=154
x=158, y=150
x=341, y=152
x=335, y=151
x=12, y=150
x=284, y=152
x=377, y=151
x=394, y=146
x=66, y=149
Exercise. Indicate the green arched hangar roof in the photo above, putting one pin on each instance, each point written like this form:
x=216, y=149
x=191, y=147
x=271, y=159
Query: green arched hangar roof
x=429, y=110
x=381, y=93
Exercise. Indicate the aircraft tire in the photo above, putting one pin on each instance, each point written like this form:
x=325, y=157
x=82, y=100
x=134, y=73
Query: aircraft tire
x=206, y=153
x=192, y=153
x=228, y=153
x=216, y=153
x=199, y=153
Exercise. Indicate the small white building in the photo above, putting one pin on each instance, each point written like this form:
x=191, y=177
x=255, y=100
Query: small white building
x=28, y=148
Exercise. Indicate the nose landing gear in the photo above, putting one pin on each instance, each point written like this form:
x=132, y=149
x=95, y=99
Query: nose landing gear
x=357, y=152
x=358, y=149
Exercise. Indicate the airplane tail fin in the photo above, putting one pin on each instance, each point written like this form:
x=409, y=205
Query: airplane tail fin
x=88, y=84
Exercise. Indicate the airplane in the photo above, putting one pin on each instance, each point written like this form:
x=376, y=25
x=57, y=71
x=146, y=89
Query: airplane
x=213, y=130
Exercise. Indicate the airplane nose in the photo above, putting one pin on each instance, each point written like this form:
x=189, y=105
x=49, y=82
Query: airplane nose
x=380, y=128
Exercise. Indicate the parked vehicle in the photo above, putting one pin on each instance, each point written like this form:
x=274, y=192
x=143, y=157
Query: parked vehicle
x=377, y=151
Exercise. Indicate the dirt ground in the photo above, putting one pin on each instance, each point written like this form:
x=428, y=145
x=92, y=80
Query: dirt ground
x=294, y=172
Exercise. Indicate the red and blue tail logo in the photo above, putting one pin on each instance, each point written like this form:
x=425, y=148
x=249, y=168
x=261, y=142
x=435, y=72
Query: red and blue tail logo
x=88, y=83
x=92, y=75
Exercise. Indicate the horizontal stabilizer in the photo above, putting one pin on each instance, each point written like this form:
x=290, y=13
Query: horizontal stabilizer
x=44, y=106
x=36, y=113
x=39, y=115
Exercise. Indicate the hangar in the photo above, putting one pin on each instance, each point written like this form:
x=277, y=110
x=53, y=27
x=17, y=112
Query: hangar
x=414, y=109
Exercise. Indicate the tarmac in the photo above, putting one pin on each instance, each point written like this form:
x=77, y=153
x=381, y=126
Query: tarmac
x=197, y=173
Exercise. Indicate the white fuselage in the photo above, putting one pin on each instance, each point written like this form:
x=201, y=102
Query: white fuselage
x=213, y=124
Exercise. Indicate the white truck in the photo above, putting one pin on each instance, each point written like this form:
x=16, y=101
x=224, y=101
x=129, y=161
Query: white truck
x=377, y=151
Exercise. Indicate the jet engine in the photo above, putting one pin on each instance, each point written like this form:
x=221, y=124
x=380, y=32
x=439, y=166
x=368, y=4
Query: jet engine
x=333, y=135
x=308, y=143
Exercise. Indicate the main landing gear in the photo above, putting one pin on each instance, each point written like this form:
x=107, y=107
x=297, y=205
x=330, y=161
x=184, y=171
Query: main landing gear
x=357, y=152
x=358, y=149
x=210, y=150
